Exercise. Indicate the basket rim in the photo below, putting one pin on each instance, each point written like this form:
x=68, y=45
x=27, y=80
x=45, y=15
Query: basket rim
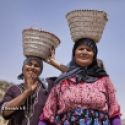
x=86, y=10
x=41, y=30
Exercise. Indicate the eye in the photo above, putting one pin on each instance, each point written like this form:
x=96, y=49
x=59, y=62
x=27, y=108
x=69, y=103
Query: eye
x=36, y=65
x=81, y=48
x=88, y=49
x=29, y=64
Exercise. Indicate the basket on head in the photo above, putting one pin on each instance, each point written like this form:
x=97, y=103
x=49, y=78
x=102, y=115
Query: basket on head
x=86, y=24
x=38, y=43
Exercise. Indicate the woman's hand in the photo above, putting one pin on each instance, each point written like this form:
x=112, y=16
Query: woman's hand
x=31, y=84
x=51, y=57
x=31, y=81
x=52, y=61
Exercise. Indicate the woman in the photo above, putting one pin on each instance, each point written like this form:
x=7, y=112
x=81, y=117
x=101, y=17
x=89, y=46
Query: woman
x=22, y=103
x=84, y=95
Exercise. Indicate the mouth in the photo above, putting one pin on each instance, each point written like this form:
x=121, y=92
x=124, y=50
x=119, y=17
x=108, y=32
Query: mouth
x=84, y=57
x=31, y=71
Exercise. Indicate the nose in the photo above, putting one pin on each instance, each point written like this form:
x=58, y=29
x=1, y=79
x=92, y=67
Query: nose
x=84, y=51
x=32, y=66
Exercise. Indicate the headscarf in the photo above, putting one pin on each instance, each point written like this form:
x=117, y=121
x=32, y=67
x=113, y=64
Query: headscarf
x=88, y=74
x=27, y=60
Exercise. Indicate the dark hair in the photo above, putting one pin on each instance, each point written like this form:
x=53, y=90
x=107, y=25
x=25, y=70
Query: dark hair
x=85, y=41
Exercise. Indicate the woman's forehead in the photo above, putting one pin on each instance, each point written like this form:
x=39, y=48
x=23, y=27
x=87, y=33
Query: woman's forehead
x=84, y=46
x=34, y=61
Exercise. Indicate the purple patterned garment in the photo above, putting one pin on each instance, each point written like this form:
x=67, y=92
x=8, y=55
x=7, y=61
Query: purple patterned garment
x=20, y=117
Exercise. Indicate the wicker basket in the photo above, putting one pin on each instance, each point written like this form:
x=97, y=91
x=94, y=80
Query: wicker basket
x=86, y=24
x=38, y=43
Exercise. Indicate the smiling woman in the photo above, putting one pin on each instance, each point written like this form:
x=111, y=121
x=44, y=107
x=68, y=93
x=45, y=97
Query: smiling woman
x=84, y=94
x=19, y=100
x=21, y=103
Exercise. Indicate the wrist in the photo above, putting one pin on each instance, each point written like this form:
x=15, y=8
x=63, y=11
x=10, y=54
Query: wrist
x=51, y=60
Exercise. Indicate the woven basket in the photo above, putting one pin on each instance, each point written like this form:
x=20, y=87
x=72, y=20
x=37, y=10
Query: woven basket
x=38, y=43
x=86, y=24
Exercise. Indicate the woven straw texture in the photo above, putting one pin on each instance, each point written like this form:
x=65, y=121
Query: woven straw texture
x=86, y=24
x=38, y=43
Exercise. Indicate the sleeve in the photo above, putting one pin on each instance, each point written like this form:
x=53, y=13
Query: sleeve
x=115, y=121
x=9, y=95
x=50, y=107
x=51, y=83
x=113, y=106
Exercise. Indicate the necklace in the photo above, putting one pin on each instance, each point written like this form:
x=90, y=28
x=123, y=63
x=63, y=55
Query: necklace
x=30, y=103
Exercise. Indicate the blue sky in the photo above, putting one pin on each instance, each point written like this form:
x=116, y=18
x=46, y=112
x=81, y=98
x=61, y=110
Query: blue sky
x=49, y=15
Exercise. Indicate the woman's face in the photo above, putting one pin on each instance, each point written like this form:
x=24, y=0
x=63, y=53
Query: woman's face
x=32, y=69
x=84, y=55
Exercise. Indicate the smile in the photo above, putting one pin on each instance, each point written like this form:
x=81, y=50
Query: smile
x=84, y=57
x=31, y=71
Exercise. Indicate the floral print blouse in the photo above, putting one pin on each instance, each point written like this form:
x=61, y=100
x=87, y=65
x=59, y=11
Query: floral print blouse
x=69, y=94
